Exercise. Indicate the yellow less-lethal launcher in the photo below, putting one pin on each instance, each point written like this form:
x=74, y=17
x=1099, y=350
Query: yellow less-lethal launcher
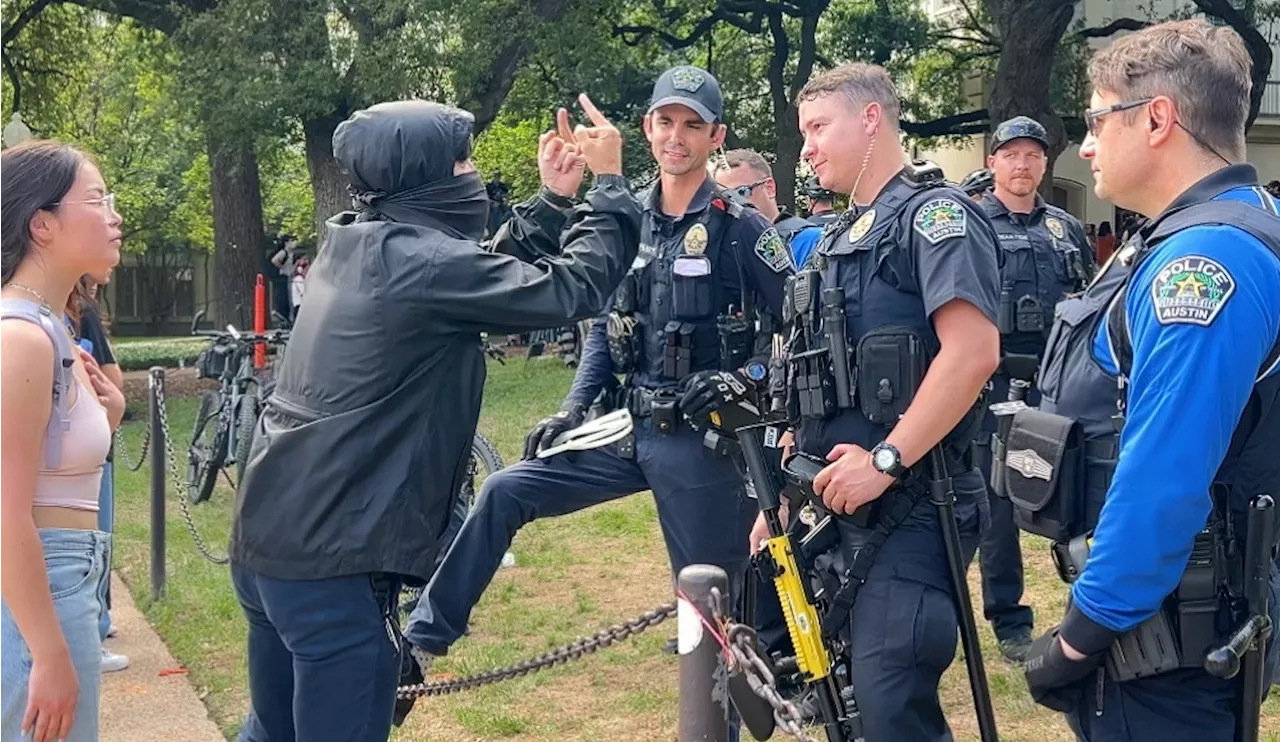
x=777, y=560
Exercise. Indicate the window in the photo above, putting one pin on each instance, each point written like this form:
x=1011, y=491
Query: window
x=125, y=281
x=184, y=294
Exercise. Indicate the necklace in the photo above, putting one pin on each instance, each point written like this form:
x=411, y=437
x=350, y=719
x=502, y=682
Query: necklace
x=31, y=291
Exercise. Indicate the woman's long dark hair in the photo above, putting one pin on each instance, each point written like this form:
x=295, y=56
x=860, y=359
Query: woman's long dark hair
x=37, y=175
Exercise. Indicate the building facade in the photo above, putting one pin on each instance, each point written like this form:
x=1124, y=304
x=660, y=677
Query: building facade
x=1072, y=180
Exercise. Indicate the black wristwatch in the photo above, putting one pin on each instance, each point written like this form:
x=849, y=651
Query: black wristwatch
x=887, y=460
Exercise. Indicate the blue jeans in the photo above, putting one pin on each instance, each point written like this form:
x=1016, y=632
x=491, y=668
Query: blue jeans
x=74, y=561
x=106, y=522
x=324, y=657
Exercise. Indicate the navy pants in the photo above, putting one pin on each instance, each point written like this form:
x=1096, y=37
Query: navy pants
x=903, y=626
x=705, y=516
x=1183, y=706
x=324, y=657
x=1000, y=551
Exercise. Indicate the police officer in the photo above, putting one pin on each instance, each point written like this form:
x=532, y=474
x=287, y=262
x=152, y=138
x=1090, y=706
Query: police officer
x=1046, y=256
x=748, y=177
x=682, y=329
x=822, y=202
x=1176, y=342
x=916, y=260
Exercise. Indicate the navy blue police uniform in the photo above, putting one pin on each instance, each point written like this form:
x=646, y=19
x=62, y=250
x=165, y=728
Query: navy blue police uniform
x=693, y=274
x=1191, y=303
x=918, y=246
x=1045, y=257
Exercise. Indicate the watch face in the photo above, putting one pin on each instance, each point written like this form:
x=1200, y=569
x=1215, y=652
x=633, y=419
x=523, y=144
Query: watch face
x=885, y=459
x=756, y=371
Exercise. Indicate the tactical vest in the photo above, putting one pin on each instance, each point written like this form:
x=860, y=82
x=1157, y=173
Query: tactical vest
x=679, y=304
x=879, y=306
x=1033, y=278
x=1075, y=386
x=789, y=226
x=63, y=372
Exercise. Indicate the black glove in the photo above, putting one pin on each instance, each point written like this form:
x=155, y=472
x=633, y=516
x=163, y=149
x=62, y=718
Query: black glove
x=540, y=438
x=410, y=674
x=1052, y=677
x=710, y=391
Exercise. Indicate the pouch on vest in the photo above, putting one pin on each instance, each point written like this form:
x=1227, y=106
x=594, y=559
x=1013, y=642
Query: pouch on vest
x=691, y=284
x=625, y=343
x=1044, y=474
x=891, y=365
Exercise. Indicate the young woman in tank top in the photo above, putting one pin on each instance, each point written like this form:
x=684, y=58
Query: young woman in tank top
x=58, y=223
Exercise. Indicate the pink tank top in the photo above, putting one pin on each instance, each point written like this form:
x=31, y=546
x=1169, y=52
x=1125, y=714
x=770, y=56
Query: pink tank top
x=74, y=484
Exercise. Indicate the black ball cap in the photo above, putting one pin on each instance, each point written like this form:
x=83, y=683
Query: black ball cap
x=1019, y=127
x=691, y=87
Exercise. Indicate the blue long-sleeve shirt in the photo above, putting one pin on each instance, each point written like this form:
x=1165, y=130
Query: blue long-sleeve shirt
x=1188, y=386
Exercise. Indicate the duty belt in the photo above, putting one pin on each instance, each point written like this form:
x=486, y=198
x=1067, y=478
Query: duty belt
x=639, y=400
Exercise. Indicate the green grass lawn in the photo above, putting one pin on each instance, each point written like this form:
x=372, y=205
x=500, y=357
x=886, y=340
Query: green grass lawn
x=574, y=576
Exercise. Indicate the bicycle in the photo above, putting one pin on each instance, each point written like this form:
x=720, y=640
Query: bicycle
x=224, y=424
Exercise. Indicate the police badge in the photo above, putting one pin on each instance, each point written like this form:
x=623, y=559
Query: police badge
x=862, y=226
x=687, y=78
x=1055, y=227
x=695, y=240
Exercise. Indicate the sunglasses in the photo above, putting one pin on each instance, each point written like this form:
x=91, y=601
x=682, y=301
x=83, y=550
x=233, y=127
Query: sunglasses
x=744, y=191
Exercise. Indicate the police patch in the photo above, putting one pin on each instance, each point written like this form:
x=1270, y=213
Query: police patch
x=687, y=78
x=1055, y=227
x=773, y=251
x=941, y=219
x=1191, y=291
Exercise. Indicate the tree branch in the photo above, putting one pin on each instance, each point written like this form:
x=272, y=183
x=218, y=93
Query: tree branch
x=972, y=122
x=976, y=25
x=1259, y=49
x=27, y=15
x=703, y=27
x=1114, y=27
x=12, y=74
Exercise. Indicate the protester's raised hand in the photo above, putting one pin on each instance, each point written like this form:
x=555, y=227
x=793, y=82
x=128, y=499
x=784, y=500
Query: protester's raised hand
x=600, y=143
x=560, y=164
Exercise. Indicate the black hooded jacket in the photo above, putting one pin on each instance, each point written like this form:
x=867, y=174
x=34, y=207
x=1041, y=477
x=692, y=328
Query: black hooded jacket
x=363, y=445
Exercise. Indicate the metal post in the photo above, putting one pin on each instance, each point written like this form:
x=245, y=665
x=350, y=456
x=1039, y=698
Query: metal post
x=703, y=694
x=158, y=447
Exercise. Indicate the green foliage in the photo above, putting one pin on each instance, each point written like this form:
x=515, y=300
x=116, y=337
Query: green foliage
x=511, y=145
x=137, y=356
x=288, y=203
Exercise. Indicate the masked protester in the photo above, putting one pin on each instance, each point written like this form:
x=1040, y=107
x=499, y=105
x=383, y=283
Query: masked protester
x=362, y=448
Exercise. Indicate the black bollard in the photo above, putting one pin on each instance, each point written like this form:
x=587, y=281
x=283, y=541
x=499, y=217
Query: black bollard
x=703, y=694
x=155, y=386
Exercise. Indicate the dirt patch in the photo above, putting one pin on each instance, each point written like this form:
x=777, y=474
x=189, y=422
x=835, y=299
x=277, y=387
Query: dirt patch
x=178, y=382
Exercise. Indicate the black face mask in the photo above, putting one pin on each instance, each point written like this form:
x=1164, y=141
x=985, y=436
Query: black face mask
x=458, y=206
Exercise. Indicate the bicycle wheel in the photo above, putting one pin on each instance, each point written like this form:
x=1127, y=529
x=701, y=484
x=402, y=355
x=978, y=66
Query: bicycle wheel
x=485, y=460
x=246, y=422
x=207, y=451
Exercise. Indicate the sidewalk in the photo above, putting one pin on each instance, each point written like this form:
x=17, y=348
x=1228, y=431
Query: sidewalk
x=139, y=704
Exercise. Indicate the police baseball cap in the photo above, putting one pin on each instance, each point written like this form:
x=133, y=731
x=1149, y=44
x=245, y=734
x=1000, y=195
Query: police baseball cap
x=1019, y=127
x=691, y=87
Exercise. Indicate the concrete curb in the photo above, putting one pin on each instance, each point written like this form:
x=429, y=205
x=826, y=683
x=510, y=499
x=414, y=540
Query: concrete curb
x=138, y=703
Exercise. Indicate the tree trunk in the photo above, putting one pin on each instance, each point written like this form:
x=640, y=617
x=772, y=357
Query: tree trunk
x=1029, y=32
x=788, y=157
x=328, y=184
x=239, y=240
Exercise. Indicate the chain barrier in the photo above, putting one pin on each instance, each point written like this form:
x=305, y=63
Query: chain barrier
x=179, y=485
x=578, y=649
x=122, y=451
x=742, y=644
